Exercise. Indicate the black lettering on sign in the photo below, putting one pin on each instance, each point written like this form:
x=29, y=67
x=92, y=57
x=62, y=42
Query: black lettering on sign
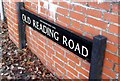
x=75, y=43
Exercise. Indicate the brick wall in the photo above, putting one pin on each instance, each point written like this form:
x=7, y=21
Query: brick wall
x=86, y=18
x=12, y=22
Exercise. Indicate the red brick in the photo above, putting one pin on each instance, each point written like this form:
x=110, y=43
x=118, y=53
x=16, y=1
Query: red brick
x=75, y=24
x=15, y=31
x=61, y=23
x=67, y=78
x=112, y=47
x=42, y=10
x=51, y=18
x=49, y=60
x=105, y=77
x=109, y=72
x=111, y=57
x=104, y=5
x=35, y=46
x=58, y=61
x=15, y=20
x=35, y=34
x=111, y=17
x=40, y=43
x=72, y=57
x=42, y=38
x=71, y=63
x=64, y=4
x=60, y=56
x=108, y=64
x=50, y=54
x=59, y=49
x=71, y=76
x=97, y=23
x=49, y=49
x=111, y=37
x=83, y=77
x=89, y=36
x=64, y=19
x=114, y=28
x=42, y=49
x=27, y=29
x=77, y=16
x=85, y=65
x=71, y=70
x=62, y=69
x=62, y=11
x=94, y=13
x=75, y=30
x=79, y=8
x=40, y=55
x=14, y=11
x=90, y=30
x=84, y=72
x=50, y=43
x=59, y=74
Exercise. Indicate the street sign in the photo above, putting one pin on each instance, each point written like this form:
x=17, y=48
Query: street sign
x=72, y=41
